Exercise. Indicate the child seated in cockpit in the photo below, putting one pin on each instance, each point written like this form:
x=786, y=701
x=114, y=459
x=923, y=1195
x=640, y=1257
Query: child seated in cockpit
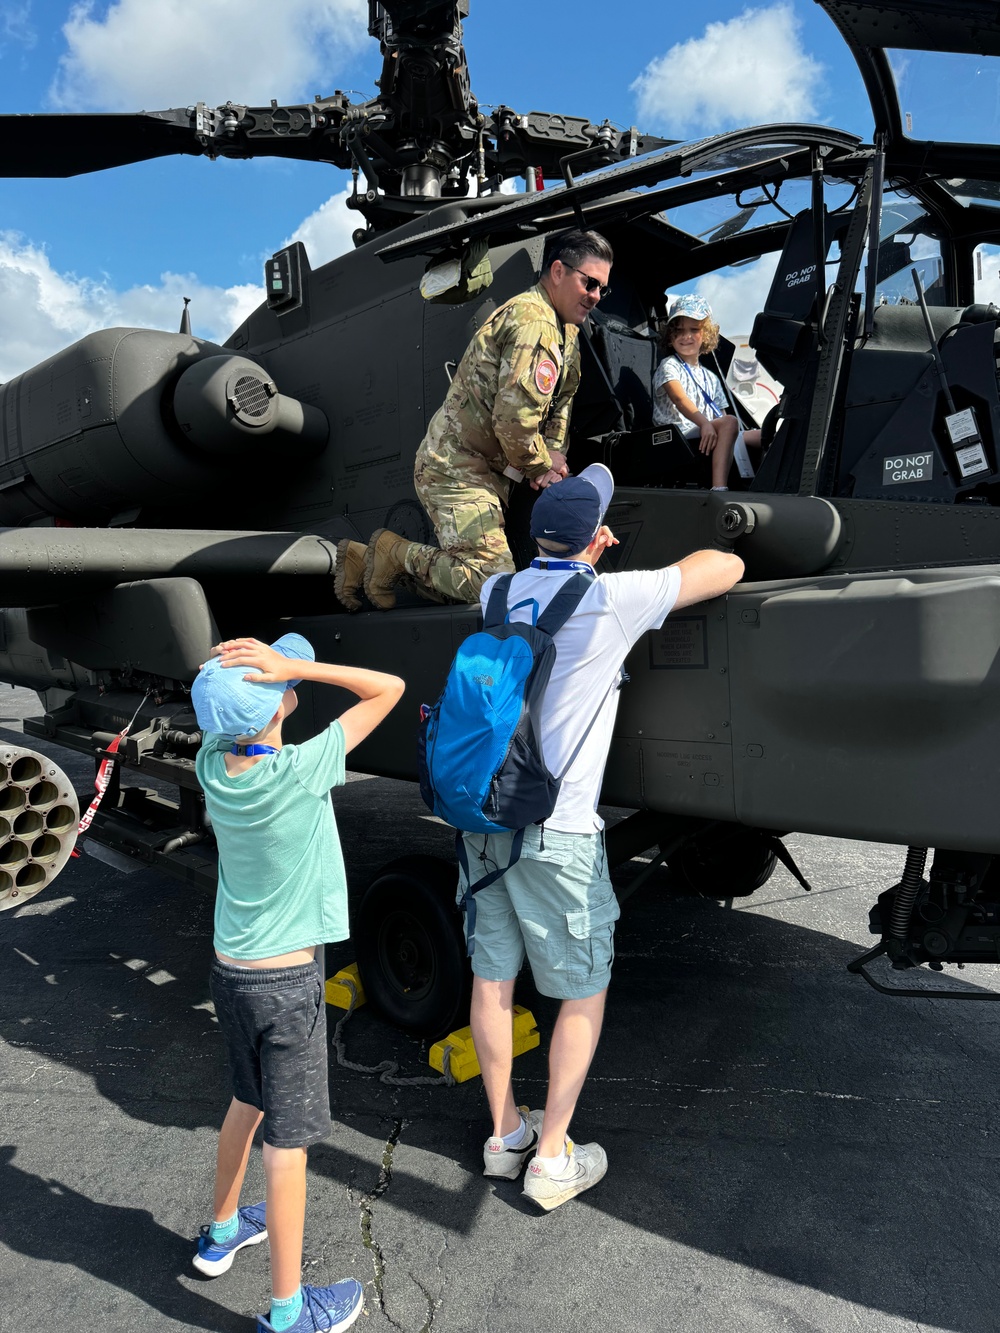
x=687, y=395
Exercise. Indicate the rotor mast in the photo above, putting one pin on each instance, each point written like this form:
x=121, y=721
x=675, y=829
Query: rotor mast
x=425, y=88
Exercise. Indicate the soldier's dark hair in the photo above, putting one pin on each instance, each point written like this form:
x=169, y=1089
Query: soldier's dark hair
x=573, y=247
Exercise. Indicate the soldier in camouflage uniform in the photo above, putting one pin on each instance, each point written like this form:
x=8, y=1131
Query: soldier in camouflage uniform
x=505, y=419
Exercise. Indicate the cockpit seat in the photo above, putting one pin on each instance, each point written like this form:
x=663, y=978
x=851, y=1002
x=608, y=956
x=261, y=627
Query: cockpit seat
x=784, y=331
x=784, y=338
x=616, y=386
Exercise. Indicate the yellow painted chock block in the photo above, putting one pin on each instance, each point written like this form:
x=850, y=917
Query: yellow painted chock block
x=464, y=1064
x=341, y=988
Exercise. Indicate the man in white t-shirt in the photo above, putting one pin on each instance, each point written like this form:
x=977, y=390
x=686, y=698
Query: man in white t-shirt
x=556, y=903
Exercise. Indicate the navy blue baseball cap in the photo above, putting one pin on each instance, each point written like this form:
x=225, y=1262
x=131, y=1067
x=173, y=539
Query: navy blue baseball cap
x=568, y=513
x=229, y=705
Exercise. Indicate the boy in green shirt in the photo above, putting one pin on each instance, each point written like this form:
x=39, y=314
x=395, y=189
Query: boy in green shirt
x=282, y=892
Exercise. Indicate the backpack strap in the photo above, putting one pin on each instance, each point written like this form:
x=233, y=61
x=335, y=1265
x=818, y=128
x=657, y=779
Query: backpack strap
x=565, y=602
x=496, y=607
x=615, y=685
x=555, y=615
x=468, y=903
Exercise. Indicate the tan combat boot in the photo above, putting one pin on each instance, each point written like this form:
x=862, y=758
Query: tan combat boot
x=384, y=567
x=350, y=573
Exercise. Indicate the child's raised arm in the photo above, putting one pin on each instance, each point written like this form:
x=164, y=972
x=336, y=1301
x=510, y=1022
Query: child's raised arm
x=378, y=692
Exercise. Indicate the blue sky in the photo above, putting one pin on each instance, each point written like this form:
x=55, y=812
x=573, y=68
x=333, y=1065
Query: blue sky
x=124, y=246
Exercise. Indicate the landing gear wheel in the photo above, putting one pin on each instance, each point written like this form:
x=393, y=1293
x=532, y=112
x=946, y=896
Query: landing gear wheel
x=410, y=948
x=724, y=865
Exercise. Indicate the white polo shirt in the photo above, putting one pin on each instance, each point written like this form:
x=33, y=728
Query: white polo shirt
x=590, y=649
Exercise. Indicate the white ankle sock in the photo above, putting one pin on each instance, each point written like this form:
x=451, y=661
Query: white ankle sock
x=516, y=1136
x=720, y=488
x=554, y=1166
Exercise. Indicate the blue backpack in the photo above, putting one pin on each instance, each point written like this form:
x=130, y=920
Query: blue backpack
x=480, y=758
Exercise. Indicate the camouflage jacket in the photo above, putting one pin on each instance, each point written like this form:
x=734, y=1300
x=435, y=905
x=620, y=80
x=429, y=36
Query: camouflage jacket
x=511, y=395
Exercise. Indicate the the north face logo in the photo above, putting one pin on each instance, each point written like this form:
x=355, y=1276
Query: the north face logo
x=484, y=680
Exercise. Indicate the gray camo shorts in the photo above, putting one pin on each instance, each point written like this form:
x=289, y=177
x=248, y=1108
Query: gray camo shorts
x=274, y=1025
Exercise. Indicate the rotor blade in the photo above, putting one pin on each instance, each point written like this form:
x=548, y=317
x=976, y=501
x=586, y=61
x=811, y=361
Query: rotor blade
x=72, y=145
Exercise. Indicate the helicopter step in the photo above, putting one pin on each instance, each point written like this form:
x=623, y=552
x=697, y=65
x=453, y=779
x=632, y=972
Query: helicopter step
x=951, y=916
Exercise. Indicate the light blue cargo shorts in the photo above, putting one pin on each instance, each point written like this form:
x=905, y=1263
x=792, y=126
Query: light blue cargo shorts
x=555, y=904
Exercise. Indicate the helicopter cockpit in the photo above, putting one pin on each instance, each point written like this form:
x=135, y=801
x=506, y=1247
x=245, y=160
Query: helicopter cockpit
x=916, y=364
x=870, y=265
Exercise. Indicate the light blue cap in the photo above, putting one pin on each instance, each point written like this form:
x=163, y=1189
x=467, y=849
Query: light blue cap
x=689, y=306
x=229, y=705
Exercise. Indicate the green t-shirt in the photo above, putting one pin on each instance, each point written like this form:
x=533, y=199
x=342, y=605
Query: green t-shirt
x=281, y=871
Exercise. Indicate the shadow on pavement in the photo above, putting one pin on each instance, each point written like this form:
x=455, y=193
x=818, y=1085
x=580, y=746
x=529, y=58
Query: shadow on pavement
x=760, y=1105
x=124, y=1247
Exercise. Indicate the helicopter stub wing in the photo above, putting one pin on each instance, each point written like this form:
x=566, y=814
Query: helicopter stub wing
x=41, y=564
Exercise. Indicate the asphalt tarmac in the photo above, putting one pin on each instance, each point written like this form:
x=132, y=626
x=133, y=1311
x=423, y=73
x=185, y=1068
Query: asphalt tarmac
x=789, y=1150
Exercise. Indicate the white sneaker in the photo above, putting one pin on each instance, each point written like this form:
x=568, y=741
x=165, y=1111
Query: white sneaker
x=587, y=1164
x=508, y=1163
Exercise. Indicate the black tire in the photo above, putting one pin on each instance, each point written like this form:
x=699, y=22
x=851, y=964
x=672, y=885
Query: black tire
x=410, y=947
x=724, y=865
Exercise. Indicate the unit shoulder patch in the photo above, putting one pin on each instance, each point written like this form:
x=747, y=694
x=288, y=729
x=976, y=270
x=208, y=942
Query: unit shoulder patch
x=546, y=375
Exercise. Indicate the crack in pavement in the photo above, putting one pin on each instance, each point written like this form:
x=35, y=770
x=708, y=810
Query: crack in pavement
x=367, y=1204
x=434, y=1303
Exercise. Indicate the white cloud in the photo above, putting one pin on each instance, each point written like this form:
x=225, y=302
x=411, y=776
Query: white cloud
x=899, y=63
x=739, y=294
x=138, y=55
x=215, y=311
x=15, y=24
x=988, y=285
x=43, y=311
x=749, y=71
x=327, y=232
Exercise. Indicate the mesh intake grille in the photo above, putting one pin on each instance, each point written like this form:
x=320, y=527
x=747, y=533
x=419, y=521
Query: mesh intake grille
x=251, y=396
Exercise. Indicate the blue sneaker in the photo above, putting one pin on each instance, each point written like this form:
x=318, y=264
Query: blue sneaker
x=216, y=1256
x=324, y=1309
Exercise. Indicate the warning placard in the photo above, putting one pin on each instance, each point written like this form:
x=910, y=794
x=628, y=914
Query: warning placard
x=901, y=468
x=971, y=459
x=680, y=643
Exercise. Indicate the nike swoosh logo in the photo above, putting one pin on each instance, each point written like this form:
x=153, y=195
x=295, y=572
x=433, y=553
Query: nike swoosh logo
x=549, y=532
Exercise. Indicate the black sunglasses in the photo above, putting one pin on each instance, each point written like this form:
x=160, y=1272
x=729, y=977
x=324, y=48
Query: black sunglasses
x=591, y=284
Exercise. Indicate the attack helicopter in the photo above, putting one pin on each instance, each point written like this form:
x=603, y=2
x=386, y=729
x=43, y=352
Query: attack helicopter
x=849, y=686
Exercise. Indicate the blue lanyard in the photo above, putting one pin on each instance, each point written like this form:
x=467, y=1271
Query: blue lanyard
x=706, y=397
x=578, y=566
x=251, y=751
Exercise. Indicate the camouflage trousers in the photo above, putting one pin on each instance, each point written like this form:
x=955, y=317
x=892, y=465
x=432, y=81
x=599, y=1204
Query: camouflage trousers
x=464, y=504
